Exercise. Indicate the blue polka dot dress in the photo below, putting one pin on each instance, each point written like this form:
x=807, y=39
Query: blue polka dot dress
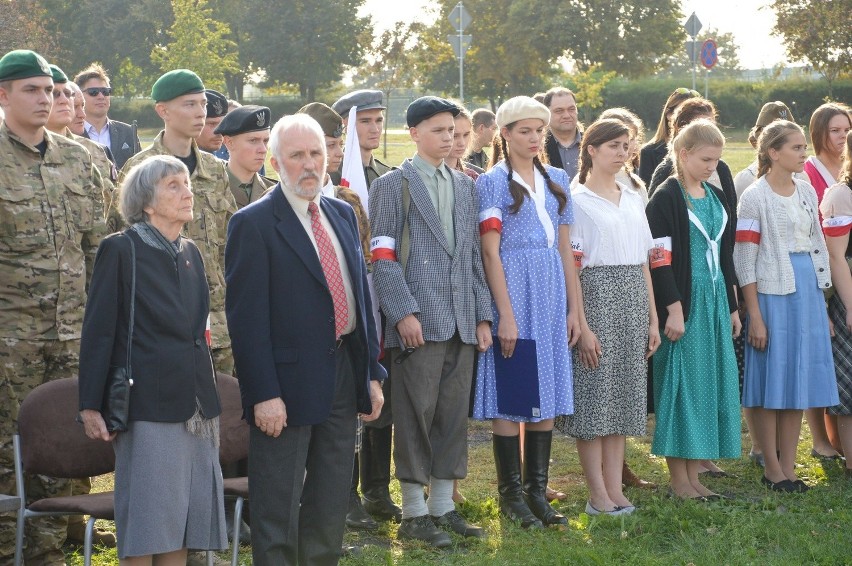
x=529, y=250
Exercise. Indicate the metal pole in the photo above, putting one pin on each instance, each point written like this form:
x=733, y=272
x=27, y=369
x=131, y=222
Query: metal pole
x=706, y=75
x=461, y=57
x=694, y=57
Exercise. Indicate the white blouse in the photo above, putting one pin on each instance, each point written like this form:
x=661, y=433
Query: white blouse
x=608, y=234
x=799, y=224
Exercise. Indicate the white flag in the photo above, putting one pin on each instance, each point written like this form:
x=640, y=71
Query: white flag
x=352, y=172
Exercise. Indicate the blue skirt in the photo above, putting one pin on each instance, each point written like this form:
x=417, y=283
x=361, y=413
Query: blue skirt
x=796, y=370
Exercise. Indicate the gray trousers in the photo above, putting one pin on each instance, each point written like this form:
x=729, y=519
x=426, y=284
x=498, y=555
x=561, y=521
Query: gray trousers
x=299, y=483
x=431, y=393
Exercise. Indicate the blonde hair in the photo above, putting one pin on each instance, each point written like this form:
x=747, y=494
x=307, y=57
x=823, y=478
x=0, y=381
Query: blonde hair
x=695, y=135
x=773, y=136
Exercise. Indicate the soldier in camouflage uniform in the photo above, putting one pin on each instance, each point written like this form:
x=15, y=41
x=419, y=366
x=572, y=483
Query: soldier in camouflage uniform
x=51, y=221
x=181, y=103
x=245, y=132
x=61, y=115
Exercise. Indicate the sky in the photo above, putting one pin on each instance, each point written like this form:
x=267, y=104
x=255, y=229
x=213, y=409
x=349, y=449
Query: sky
x=750, y=21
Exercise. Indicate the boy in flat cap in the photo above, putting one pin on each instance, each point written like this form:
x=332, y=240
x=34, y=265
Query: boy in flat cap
x=217, y=107
x=182, y=104
x=369, y=121
x=245, y=132
x=51, y=222
x=429, y=278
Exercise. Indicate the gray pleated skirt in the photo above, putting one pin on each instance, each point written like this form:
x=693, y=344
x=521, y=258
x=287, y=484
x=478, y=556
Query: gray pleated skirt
x=168, y=490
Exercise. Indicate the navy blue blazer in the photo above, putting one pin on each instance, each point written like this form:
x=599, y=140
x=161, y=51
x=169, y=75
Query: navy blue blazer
x=280, y=311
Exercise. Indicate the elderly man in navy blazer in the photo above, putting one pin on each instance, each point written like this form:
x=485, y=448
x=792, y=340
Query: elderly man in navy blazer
x=306, y=350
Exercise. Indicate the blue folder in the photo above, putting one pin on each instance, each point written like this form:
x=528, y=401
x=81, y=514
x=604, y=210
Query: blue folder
x=517, y=380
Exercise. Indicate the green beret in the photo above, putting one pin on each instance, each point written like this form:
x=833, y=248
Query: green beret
x=329, y=120
x=23, y=64
x=58, y=74
x=248, y=118
x=176, y=83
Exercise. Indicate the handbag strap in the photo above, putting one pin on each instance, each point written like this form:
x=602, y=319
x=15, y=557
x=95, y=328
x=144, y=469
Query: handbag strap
x=132, y=304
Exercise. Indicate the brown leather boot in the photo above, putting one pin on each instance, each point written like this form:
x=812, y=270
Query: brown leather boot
x=629, y=479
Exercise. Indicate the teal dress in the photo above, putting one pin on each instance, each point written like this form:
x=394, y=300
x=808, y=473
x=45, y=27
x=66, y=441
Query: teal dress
x=695, y=379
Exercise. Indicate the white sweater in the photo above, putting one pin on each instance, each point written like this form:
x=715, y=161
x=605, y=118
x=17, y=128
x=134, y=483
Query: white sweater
x=760, y=251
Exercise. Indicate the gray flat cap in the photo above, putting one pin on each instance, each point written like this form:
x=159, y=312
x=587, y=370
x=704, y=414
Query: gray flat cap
x=361, y=99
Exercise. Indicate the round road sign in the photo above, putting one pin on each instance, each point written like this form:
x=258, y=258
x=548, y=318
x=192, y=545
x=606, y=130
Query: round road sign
x=709, y=54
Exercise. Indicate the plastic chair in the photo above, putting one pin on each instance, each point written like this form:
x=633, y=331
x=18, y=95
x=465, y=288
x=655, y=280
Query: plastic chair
x=50, y=443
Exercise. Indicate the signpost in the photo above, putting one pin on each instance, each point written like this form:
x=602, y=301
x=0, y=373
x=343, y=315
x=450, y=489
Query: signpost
x=692, y=26
x=460, y=19
x=709, y=58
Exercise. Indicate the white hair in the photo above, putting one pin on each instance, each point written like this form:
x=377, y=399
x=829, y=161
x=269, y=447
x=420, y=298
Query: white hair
x=295, y=122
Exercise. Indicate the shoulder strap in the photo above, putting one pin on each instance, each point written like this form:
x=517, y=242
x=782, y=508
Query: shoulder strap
x=132, y=304
x=405, y=241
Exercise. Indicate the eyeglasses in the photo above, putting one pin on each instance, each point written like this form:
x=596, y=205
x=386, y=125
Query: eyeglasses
x=94, y=91
x=689, y=91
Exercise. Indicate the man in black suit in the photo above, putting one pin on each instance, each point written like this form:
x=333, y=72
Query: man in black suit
x=562, y=142
x=306, y=350
x=121, y=138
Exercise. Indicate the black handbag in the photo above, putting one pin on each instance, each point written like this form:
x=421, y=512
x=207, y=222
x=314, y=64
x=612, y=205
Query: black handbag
x=116, y=404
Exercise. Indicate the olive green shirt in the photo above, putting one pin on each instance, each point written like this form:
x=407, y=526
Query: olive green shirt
x=51, y=223
x=213, y=206
x=245, y=193
x=439, y=182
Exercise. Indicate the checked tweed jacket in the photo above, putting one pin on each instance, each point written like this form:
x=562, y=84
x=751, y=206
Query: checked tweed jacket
x=447, y=292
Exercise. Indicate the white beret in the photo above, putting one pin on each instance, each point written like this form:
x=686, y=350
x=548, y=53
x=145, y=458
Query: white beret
x=521, y=108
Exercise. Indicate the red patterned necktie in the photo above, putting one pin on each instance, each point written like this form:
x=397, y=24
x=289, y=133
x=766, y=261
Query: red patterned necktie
x=331, y=269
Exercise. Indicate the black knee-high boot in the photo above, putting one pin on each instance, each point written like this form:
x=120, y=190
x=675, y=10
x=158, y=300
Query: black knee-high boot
x=357, y=517
x=375, y=473
x=536, y=466
x=507, y=459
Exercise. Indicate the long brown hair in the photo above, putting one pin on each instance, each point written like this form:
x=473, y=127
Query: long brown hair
x=596, y=135
x=690, y=111
x=674, y=100
x=773, y=136
x=818, y=126
x=500, y=150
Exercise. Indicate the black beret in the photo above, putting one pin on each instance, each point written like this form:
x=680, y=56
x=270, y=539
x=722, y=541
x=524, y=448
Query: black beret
x=329, y=120
x=176, y=83
x=249, y=118
x=23, y=64
x=426, y=107
x=217, y=103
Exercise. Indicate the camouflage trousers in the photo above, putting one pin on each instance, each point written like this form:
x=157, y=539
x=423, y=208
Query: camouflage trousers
x=24, y=365
x=223, y=360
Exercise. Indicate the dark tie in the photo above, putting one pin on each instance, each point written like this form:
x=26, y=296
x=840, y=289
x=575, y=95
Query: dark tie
x=331, y=269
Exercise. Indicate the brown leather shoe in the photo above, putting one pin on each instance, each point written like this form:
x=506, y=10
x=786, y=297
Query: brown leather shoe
x=629, y=479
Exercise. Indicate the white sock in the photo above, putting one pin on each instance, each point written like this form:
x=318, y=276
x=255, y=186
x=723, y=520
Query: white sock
x=440, y=497
x=413, y=504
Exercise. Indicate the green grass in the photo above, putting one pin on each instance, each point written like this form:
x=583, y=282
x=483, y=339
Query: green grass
x=757, y=527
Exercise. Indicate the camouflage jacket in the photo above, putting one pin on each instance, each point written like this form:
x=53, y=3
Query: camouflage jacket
x=109, y=174
x=51, y=222
x=213, y=206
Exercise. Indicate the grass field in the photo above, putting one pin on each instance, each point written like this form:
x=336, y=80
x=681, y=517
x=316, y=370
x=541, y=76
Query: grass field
x=756, y=527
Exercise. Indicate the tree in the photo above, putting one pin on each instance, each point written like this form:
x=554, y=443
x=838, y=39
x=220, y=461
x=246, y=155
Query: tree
x=507, y=57
x=199, y=42
x=631, y=38
x=23, y=28
x=819, y=32
x=308, y=43
x=726, y=46
x=588, y=89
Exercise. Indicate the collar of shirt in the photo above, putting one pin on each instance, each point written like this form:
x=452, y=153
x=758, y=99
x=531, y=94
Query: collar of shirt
x=328, y=189
x=90, y=129
x=300, y=205
x=578, y=137
x=427, y=169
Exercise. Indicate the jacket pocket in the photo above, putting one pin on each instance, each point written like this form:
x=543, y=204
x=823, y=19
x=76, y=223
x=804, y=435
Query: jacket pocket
x=23, y=219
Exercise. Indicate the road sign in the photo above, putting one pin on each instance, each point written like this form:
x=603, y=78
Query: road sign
x=465, y=43
x=459, y=18
x=709, y=53
x=693, y=25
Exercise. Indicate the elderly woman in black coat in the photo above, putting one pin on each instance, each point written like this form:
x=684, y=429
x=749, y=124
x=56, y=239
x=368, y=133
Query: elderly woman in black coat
x=168, y=484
